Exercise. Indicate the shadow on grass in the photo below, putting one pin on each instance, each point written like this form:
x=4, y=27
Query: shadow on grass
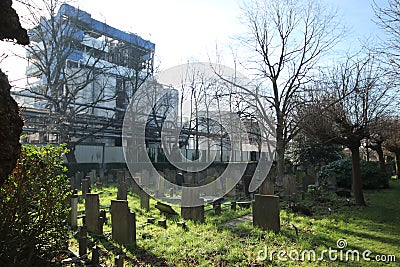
x=141, y=256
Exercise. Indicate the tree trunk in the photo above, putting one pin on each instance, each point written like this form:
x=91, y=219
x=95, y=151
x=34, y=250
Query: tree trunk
x=397, y=163
x=280, y=150
x=11, y=128
x=71, y=154
x=357, y=182
x=381, y=157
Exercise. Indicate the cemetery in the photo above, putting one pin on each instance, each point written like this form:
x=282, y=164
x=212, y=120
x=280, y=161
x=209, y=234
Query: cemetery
x=107, y=161
x=114, y=225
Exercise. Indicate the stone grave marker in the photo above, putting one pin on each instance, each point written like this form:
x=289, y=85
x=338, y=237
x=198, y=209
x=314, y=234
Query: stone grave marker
x=92, y=176
x=85, y=187
x=122, y=193
x=192, y=205
x=74, y=211
x=266, y=212
x=82, y=240
x=92, y=214
x=144, y=200
x=123, y=222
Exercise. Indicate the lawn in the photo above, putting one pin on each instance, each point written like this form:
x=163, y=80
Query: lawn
x=224, y=241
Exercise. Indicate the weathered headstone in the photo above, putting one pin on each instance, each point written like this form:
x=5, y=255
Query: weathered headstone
x=120, y=176
x=74, y=211
x=192, y=205
x=72, y=182
x=92, y=176
x=82, y=240
x=160, y=186
x=145, y=178
x=188, y=178
x=127, y=174
x=289, y=186
x=92, y=212
x=101, y=175
x=85, y=187
x=123, y=222
x=78, y=179
x=170, y=175
x=267, y=187
x=122, y=193
x=266, y=212
x=144, y=200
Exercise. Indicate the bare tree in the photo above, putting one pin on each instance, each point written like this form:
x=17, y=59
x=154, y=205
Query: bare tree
x=345, y=103
x=288, y=38
x=388, y=18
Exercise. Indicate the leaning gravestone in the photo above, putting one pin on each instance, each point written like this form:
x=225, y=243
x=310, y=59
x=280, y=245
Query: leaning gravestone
x=266, y=212
x=123, y=222
x=92, y=214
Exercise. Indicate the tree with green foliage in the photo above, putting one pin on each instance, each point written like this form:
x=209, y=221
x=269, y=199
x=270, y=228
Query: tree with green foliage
x=34, y=208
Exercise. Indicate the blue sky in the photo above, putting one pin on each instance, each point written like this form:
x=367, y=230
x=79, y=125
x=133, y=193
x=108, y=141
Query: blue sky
x=185, y=29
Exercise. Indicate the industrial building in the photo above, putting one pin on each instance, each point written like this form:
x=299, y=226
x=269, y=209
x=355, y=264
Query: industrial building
x=81, y=75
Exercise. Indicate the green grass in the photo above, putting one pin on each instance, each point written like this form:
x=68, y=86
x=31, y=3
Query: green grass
x=213, y=243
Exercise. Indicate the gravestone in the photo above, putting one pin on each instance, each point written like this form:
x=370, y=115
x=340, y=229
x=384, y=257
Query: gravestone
x=110, y=178
x=74, y=211
x=145, y=178
x=170, y=175
x=267, y=187
x=127, y=174
x=92, y=176
x=78, y=179
x=72, y=183
x=85, y=187
x=289, y=186
x=211, y=186
x=266, y=212
x=82, y=240
x=101, y=175
x=188, y=178
x=92, y=214
x=160, y=187
x=144, y=200
x=122, y=193
x=192, y=205
x=120, y=176
x=123, y=222
x=165, y=209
